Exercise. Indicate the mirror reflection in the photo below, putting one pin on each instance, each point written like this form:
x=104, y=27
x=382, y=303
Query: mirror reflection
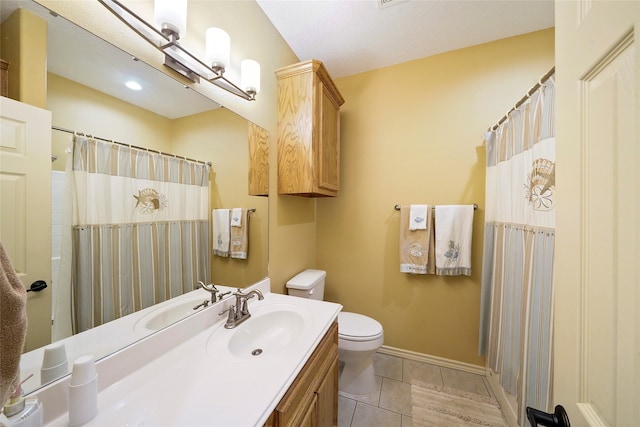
x=86, y=94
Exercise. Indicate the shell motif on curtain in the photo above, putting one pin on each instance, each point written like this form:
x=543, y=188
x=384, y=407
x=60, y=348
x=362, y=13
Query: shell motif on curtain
x=516, y=325
x=140, y=230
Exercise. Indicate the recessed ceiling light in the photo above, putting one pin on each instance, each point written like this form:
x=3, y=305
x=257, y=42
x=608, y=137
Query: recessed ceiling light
x=133, y=85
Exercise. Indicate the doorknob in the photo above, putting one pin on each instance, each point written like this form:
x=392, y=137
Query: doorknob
x=559, y=418
x=37, y=286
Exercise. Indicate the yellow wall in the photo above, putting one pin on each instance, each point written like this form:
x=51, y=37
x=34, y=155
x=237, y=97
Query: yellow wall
x=220, y=136
x=24, y=46
x=412, y=133
x=80, y=108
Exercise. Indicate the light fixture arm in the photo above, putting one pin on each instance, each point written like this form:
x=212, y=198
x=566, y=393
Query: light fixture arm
x=176, y=56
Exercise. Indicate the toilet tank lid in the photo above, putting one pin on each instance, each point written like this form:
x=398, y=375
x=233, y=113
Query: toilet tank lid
x=306, y=279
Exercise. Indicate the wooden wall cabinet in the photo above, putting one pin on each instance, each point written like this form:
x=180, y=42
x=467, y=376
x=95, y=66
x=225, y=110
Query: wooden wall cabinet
x=308, y=131
x=312, y=399
x=258, y=160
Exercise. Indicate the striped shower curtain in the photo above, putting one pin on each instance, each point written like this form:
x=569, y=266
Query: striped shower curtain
x=140, y=230
x=517, y=294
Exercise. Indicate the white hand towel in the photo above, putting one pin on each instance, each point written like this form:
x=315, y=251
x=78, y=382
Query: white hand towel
x=418, y=217
x=454, y=228
x=221, y=232
x=236, y=217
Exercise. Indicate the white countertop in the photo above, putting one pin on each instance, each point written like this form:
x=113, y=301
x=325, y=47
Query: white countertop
x=120, y=332
x=184, y=376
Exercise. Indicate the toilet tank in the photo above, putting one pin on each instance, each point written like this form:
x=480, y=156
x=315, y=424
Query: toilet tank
x=307, y=284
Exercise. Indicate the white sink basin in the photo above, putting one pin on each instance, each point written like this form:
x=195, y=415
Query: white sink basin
x=269, y=330
x=267, y=333
x=168, y=314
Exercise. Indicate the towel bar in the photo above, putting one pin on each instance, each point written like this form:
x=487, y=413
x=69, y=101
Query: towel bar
x=397, y=207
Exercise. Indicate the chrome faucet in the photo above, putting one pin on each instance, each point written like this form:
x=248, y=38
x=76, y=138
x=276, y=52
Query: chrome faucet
x=239, y=312
x=216, y=295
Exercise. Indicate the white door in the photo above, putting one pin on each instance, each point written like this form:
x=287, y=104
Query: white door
x=25, y=206
x=597, y=280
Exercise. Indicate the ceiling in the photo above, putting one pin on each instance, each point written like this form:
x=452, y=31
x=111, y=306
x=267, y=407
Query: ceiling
x=349, y=36
x=354, y=36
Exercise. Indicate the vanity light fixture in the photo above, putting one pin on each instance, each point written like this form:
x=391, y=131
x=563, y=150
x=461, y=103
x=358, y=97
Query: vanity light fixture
x=171, y=24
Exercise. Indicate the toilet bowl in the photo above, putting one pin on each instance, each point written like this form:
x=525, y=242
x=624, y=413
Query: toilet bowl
x=359, y=336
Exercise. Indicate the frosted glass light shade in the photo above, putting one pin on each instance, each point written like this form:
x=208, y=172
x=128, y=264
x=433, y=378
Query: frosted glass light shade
x=218, y=46
x=172, y=15
x=250, y=75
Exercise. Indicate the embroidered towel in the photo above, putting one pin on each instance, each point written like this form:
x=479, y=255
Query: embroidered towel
x=240, y=236
x=454, y=227
x=221, y=232
x=414, y=244
x=236, y=217
x=13, y=326
x=418, y=217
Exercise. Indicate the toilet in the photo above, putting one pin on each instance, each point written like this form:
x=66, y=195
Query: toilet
x=359, y=336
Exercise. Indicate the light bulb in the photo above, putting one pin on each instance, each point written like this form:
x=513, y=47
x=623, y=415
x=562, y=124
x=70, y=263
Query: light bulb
x=171, y=15
x=250, y=76
x=218, y=46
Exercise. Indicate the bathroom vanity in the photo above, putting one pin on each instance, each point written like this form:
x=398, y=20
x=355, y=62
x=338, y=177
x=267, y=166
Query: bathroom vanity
x=312, y=399
x=196, y=372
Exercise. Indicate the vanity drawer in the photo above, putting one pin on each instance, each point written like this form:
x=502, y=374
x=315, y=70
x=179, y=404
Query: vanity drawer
x=312, y=399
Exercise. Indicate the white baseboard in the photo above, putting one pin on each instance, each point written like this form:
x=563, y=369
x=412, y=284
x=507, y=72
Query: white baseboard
x=434, y=360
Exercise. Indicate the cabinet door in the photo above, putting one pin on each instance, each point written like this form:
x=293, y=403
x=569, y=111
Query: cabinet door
x=258, y=160
x=329, y=144
x=310, y=417
x=327, y=398
x=295, y=134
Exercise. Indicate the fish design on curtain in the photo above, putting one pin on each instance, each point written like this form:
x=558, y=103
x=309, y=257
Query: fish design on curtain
x=542, y=184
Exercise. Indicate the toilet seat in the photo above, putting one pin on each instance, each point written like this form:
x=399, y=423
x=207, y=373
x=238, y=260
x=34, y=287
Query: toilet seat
x=357, y=327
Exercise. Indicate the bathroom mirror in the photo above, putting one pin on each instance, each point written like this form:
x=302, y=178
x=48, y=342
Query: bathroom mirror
x=200, y=129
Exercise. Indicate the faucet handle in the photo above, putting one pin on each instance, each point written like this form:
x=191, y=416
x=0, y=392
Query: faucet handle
x=231, y=318
x=222, y=295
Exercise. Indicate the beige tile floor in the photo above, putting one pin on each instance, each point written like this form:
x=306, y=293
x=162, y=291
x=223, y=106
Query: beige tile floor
x=390, y=404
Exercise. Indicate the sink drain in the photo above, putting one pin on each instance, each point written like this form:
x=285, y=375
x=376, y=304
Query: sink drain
x=256, y=352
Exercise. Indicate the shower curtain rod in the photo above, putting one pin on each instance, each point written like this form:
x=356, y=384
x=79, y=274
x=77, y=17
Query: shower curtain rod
x=522, y=100
x=128, y=145
x=397, y=207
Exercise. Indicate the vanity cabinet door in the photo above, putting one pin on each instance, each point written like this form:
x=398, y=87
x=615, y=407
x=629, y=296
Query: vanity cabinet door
x=312, y=399
x=308, y=131
x=327, y=398
x=310, y=417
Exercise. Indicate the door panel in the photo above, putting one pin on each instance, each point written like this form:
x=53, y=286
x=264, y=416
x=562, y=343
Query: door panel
x=25, y=206
x=597, y=350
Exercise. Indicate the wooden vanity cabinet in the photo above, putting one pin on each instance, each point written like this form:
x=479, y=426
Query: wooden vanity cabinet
x=308, y=131
x=312, y=399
